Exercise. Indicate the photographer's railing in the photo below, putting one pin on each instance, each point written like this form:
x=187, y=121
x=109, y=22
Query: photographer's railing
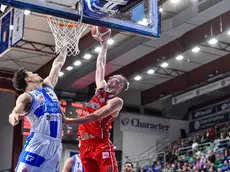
x=192, y=149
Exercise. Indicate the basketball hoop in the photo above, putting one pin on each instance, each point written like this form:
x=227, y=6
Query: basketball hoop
x=67, y=33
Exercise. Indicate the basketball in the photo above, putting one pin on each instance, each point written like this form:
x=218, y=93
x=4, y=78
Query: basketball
x=100, y=33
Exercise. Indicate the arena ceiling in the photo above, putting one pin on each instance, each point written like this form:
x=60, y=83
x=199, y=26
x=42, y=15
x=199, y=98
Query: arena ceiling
x=185, y=25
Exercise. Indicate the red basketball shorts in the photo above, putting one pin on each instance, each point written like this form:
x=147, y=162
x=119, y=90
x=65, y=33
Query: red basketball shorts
x=98, y=156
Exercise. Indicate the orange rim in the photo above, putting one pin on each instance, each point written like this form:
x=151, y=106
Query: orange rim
x=63, y=24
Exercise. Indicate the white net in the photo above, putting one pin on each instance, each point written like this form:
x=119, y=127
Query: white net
x=67, y=34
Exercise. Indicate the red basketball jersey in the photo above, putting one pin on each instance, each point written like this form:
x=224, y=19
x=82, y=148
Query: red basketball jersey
x=99, y=129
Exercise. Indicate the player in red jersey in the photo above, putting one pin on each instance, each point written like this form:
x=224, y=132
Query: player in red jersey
x=96, y=149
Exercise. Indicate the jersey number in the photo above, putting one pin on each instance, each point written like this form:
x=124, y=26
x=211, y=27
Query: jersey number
x=53, y=120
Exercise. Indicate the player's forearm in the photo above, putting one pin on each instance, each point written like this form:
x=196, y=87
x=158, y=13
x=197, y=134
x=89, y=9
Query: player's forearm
x=100, y=68
x=60, y=60
x=82, y=120
x=18, y=111
x=101, y=59
x=104, y=112
x=113, y=106
x=18, y=116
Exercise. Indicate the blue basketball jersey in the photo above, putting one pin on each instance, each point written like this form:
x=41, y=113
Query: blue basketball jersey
x=77, y=165
x=45, y=113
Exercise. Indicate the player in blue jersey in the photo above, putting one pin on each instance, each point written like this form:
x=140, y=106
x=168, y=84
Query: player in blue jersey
x=40, y=105
x=73, y=164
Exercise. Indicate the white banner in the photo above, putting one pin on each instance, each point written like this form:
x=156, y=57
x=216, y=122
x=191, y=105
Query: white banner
x=144, y=124
x=18, y=26
x=202, y=90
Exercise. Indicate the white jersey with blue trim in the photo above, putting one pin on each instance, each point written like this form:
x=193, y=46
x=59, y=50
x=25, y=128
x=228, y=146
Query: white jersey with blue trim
x=45, y=113
x=77, y=165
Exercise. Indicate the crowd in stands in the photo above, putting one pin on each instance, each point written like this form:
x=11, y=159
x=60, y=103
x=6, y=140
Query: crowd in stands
x=205, y=151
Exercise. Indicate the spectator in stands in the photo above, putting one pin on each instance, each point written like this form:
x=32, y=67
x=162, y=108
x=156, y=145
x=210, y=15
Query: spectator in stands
x=211, y=134
x=199, y=164
x=212, y=157
x=227, y=130
x=189, y=169
x=178, y=166
x=195, y=143
x=219, y=170
x=181, y=159
x=153, y=165
x=141, y=169
x=210, y=170
x=222, y=136
x=193, y=160
x=190, y=141
x=225, y=167
x=157, y=167
x=128, y=167
x=182, y=143
x=206, y=166
x=228, y=135
x=195, y=169
x=202, y=139
x=178, y=144
x=200, y=158
x=185, y=166
x=213, y=167
x=198, y=137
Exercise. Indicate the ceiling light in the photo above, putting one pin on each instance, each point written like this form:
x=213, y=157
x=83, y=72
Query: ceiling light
x=77, y=63
x=137, y=78
x=164, y=65
x=229, y=32
x=180, y=57
x=97, y=49
x=110, y=41
x=61, y=73
x=150, y=71
x=210, y=75
x=196, y=49
x=27, y=12
x=69, y=68
x=2, y=8
x=212, y=41
x=11, y=27
x=175, y=1
x=87, y=56
x=161, y=10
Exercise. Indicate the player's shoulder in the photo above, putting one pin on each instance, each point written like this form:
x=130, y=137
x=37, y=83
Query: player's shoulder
x=70, y=161
x=47, y=82
x=46, y=85
x=117, y=100
x=102, y=85
x=24, y=97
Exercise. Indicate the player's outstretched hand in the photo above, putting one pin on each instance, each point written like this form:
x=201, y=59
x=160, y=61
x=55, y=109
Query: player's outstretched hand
x=106, y=41
x=14, y=118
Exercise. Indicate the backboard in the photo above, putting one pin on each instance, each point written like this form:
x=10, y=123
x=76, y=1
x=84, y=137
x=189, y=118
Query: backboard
x=138, y=16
